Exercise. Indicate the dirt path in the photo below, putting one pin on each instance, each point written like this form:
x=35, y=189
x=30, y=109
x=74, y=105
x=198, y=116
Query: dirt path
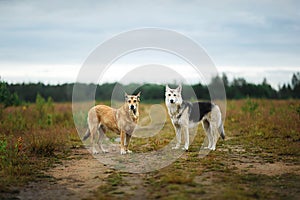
x=81, y=176
x=76, y=178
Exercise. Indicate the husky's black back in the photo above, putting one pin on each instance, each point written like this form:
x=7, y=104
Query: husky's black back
x=198, y=110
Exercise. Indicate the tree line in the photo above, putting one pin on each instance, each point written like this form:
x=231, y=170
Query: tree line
x=14, y=94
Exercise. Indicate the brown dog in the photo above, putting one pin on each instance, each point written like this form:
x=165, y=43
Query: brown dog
x=121, y=121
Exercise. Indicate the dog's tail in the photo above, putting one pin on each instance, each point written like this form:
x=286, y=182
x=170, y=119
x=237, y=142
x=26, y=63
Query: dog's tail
x=220, y=123
x=87, y=134
x=221, y=131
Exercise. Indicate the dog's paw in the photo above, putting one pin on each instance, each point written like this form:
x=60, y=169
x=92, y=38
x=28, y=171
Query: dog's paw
x=185, y=148
x=95, y=152
x=105, y=151
x=176, y=147
x=210, y=148
x=129, y=151
x=123, y=152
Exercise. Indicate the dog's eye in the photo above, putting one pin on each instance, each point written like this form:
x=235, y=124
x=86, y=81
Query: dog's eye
x=174, y=95
x=134, y=101
x=169, y=95
x=129, y=101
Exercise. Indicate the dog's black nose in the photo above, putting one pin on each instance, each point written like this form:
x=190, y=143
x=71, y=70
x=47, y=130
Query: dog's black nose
x=172, y=101
x=132, y=107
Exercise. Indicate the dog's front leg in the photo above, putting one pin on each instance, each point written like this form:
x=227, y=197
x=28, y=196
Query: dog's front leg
x=122, y=135
x=210, y=137
x=178, y=136
x=214, y=134
x=128, y=137
x=187, y=138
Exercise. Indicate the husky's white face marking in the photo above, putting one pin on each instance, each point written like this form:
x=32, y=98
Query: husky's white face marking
x=173, y=96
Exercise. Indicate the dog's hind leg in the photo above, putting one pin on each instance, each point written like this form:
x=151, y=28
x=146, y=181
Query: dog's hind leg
x=216, y=126
x=207, y=128
x=221, y=131
x=93, y=126
x=93, y=130
x=214, y=135
x=101, y=130
x=87, y=134
x=178, y=136
x=217, y=117
x=220, y=125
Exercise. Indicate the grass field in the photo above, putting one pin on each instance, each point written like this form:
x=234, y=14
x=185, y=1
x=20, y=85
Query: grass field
x=260, y=158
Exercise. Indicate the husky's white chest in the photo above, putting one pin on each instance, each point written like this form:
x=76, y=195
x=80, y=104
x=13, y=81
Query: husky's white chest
x=178, y=116
x=173, y=111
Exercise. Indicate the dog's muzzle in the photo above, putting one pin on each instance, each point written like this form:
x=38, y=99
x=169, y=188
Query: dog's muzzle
x=172, y=101
x=132, y=107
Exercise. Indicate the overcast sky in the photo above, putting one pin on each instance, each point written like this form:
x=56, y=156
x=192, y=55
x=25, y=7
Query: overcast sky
x=48, y=41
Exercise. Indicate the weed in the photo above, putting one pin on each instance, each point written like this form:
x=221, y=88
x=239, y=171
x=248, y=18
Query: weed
x=115, y=179
x=3, y=146
x=298, y=111
x=49, y=120
x=44, y=110
x=14, y=160
x=31, y=138
x=178, y=178
x=1, y=111
x=14, y=122
x=250, y=106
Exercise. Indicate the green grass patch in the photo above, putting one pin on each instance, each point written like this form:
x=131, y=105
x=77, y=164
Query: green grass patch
x=34, y=136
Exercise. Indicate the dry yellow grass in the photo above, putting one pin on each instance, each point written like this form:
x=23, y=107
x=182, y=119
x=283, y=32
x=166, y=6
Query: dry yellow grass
x=262, y=135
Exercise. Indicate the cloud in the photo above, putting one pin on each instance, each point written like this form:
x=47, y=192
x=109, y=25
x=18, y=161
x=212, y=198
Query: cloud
x=234, y=33
x=47, y=73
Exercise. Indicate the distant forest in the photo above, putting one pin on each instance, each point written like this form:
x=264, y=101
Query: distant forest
x=14, y=94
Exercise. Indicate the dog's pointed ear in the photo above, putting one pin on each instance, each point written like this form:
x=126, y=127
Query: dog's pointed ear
x=126, y=96
x=167, y=88
x=138, y=96
x=179, y=88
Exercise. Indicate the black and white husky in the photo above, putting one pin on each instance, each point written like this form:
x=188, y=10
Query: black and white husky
x=185, y=115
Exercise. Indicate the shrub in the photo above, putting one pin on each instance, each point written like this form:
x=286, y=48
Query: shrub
x=250, y=106
x=6, y=97
x=44, y=110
